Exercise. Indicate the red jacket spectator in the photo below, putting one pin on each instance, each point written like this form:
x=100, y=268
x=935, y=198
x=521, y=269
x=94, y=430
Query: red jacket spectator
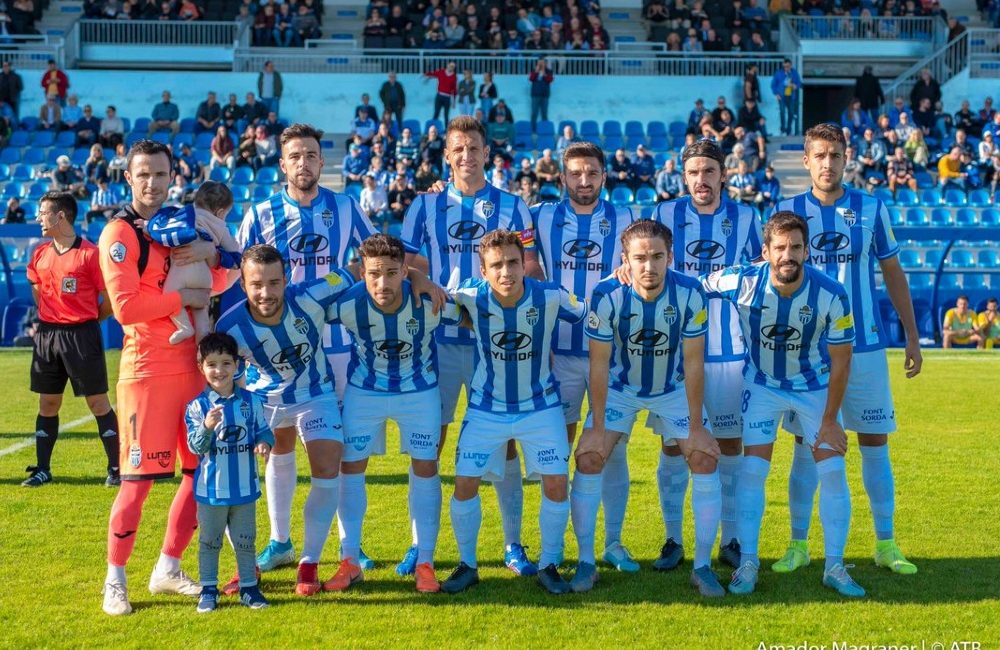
x=447, y=80
x=55, y=81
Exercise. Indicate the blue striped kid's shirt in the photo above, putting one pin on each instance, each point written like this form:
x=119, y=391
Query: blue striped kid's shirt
x=450, y=225
x=786, y=337
x=845, y=241
x=705, y=243
x=313, y=239
x=393, y=353
x=289, y=366
x=647, y=354
x=173, y=226
x=578, y=251
x=512, y=372
x=227, y=468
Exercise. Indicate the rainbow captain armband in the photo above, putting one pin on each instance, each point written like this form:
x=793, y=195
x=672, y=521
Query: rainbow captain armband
x=527, y=238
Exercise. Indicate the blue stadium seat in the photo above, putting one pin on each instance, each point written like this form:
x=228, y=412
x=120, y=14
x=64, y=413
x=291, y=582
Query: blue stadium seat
x=656, y=128
x=23, y=173
x=36, y=191
x=33, y=156
x=924, y=180
x=203, y=156
x=920, y=282
x=896, y=217
x=990, y=217
x=13, y=313
x=30, y=210
x=612, y=142
x=518, y=157
x=923, y=312
x=438, y=123
x=677, y=128
x=354, y=191
x=261, y=193
x=183, y=138
x=961, y=258
x=589, y=131
x=267, y=176
x=966, y=217
x=645, y=195
x=204, y=140
x=611, y=127
x=66, y=139
x=30, y=123
x=942, y=217
x=141, y=126
x=522, y=127
x=19, y=139
x=634, y=128
x=633, y=141
x=885, y=196
x=127, y=124
x=890, y=320
x=163, y=137
x=220, y=174
x=187, y=124
x=12, y=190
x=906, y=197
x=988, y=259
x=545, y=142
x=979, y=198
x=659, y=143
x=120, y=190
x=240, y=192
x=955, y=197
x=951, y=282
x=605, y=195
x=660, y=159
x=545, y=127
x=79, y=156
x=43, y=139
x=931, y=197
x=414, y=127
x=909, y=259
x=622, y=196
x=243, y=176
x=932, y=259
x=10, y=156
x=549, y=192
x=4, y=173
x=236, y=213
x=133, y=137
x=564, y=123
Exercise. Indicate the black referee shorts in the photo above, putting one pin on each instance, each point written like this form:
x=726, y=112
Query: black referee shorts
x=73, y=352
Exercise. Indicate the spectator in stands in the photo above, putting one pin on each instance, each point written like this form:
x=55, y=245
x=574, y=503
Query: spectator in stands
x=754, y=146
x=400, y=196
x=254, y=111
x=987, y=147
x=399, y=28
x=904, y=128
x=179, y=191
x=374, y=201
x=697, y=115
x=50, y=115
x=117, y=164
x=526, y=171
x=247, y=148
x=407, y=149
x=232, y=112
x=742, y=186
x=500, y=134
x=925, y=119
x=406, y=172
x=751, y=83
x=103, y=203
x=305, y=25
x=384, y=139
x=454, y=33
x=267, y=153
x=11, y=87
x=547, y=169
x=871, y=155
x=993, y=126
x=868, y=90
x=165, y=116
x=853, y=170
x=188, y=11
x=995, y=173
x=112, y=128
x=966, y=119
x=855, y=118
x=735, y=43
x=643, y=168
x=355, y=165
x=72, y=113
x=499, y=176
x=426, y=176
x=926, y=87
x=731, y=164
x=916, y=148
x=970, y=167
x=447, y=89
x=263, y=26
x=567, y=138
x=96, y=167
x=14, y=212
x=432, y=148
x=393, y=97
x=55, y=82
x=187, y=164
x=527, y=191
x=88, y=127
x=67, y=179
x=769, y=187
x=900, y=171
x=621, y=170
x=377, y=170
x=950, y=172
x=987, y=112
x=988, y=324
x=669, y=183
x=269, y=88
x=284, y=33
x=541, y=79
x=691, y=43
x=208, y=115
x=959, y=327
x=222, y=150
x=363, y=126
x=501, y=107
x=466, y=93
x=673, y=42
x=725, y=131
x=786, y=86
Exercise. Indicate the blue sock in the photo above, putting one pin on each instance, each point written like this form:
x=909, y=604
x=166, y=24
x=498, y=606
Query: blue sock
x=553, y=517
x=614, y=493
x=706, y=501
x=672, y=483
x=466, y=519
x=876, y=473
x=750, y=502
x=802, y=482
x=834, y=508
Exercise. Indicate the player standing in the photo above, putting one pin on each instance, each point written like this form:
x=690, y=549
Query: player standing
x=648, y=343
x=798, y=327
x=852, y=232
x=579, y=243
x=710, y=233
x=67, y=286
x=451, y=224
x=156, y=380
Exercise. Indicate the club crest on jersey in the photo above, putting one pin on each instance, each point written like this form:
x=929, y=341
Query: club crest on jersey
x=531, y=316
x=670, y=314
x=486, y=208
x=727, y=226
x=69, y=285
x=604, y=226
x=135, y=455
x=850, y=216
x=327, y=217
x=412, y=326
x=245, y=410
x=301, y=325
x=805, y=314
x=117, y=252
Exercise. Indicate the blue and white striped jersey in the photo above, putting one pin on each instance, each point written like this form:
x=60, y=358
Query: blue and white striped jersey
x=313, y=239
x=451, y=225
x=393, y=353
x=512, y=369
x=227, y=470
x=787, y=337
x=647, y=356
x=578, y=251
x=845, y=241
x=705, y=243
x=286, y=356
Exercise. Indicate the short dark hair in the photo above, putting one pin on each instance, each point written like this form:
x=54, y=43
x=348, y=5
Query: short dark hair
x=218, y=343
x=299, y=131
x=380, y=245
x=261, y=254
x=962, y=297
x=61, y=202
x=992, y=299
x=498, y=239
x=466, y=124
x=785, y=221
x=213, y=196
x=827, y=132
x=704, y=149
x=647, y=229
x=149, y=148
x=583, y=150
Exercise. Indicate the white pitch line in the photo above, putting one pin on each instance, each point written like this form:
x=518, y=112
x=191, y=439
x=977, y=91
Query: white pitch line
x=30, y=440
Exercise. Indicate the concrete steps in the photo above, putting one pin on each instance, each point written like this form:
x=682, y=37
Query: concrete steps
x=60, y=16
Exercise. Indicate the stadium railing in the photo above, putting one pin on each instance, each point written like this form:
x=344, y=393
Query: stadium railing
x=34, y=51
x=906, y=28
x=976, y=49
x=156, y=32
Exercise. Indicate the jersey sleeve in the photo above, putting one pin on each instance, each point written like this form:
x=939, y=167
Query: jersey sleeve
x=695, y=314
x=261, y=429
x=414, y=233
x=249, y=230
x=451, y=313
x=571, y=308
x=327, y=289
x=724, y=283
x=884, y=240
x=522, y=223
x=199, y=439
x=949, y=317
x=840, y=322
x=362, y=227
x=119, y=260
x=534, y=213
x=755, y=239
x=599, y=320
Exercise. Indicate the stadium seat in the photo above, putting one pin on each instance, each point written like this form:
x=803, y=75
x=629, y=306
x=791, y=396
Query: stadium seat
x=518, y=157
x=990, y=217
x=243, y=176
x=955, y=198
x=645, y=196
x=660, y=158
x=220, y=174
x=4, y=173
x=236, y=213
x=203, y=157
x=36, y=191
x=966, y=217
x=127, y=124
x=633, y=128
x=924, y=314
x=622, y=196
x=79, y=156
x=414, y=127
x=19, y=139
x=909, y=259
x=979, y=198
x=183, y=138
x=942, y=217
x=906, y=197
x=589, y=131
x=564, y=123
x=545, y=127
x=30, y=210
x=267, y=176
x=13, y=313
x=10, y=156
x=33, y=156
x=438, y=123
x=890, y=321
x=354, y=191
x=240, y=192
x=951, y=282
x=988, y=259
x=961, y=258
x=677, y=128
x=30, y=123
x=133, y=137
x=43, y=139
x=896, y=217
x=605, y=195
x=924, y=180
x=611, y=127
x=261, y=193
x=659, y=143
x=634, y=141
x=885, y=196
x=204, y=140
x=522, y=127
x=23, y=173
x=187, y=124
x=931, y=197
x=549, y=192
x=120, y=190
x=65, y=139
x=932, y=259
x=613, y=142
x=656, y=128
x=141, y=126
x=921, y=281
x=163, y=137
x=12, y=190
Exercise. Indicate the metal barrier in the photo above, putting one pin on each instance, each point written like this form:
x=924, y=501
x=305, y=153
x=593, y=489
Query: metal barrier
x=944, y=64
x=28, y=52
x=156, y=32
x=984, y=53
x=923, y=28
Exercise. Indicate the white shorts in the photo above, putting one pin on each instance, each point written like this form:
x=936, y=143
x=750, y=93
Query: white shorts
x=763, y=407
x=338, y=362
x=723, y=388
x=416, y=414
x=867, y=403
x=573, y=375
x=454, y=371
x=482, y=443
x=317, y=419
x=670, y=411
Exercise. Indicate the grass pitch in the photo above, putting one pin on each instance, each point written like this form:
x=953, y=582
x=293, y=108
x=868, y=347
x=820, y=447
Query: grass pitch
x=52, y=559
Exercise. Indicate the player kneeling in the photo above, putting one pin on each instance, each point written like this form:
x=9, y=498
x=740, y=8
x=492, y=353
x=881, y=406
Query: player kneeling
x=392, y=376
x=648, y=342
x=513, y=396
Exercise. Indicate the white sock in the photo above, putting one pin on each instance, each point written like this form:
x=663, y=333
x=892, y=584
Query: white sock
x=834, y=507
x=321, y=508
x=614, y=493
x=672, y=482
x=876, y=473
x=116, y=574
x=510, y=498
x=729, y=475
x=167, y=564
x=802, y=482
x=750, y=502
x=553, y=517
x=351, y=514
x=279, y=480
x=425, y=514
x=466, y=518
x=706, y=501
x=585, y=500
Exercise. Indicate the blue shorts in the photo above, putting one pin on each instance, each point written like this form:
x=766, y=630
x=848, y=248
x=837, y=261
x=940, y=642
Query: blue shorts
x=482, y=443
x=366, y=413
x=763, y=407
x=670, y=411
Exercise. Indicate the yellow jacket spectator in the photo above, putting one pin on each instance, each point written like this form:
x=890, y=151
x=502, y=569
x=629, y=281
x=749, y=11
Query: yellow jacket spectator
x=988, y=324
x=960, y=325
